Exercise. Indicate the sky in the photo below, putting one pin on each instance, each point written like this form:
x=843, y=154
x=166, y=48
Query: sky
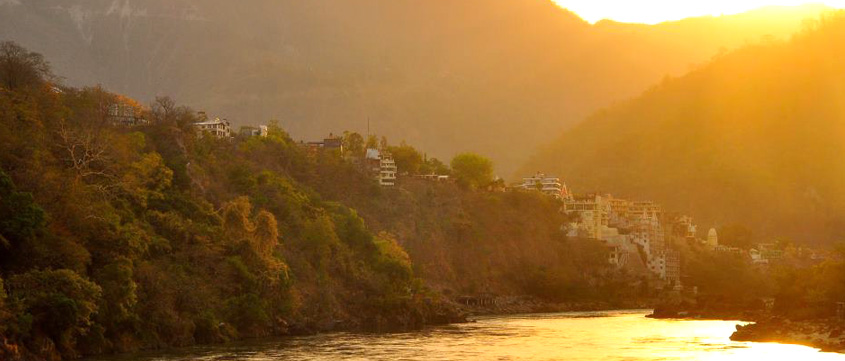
x=655, y=11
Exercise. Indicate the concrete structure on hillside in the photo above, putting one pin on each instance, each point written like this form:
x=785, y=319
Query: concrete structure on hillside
x=546, y=184
x=125, y=114
x=332, y=142
x=388, y=170
x=250, y=131
x=712, y=238
x=632, y=231
x=673, y=267
x=382, y=165
x=433, y=177
x=593, y=213
x=373, y=160
x=215, y=127
x=686, y=226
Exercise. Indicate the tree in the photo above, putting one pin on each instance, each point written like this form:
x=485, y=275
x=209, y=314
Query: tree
x=472, y=170
x=21, y=68
x=60, y=302
x=236, y=223
x=434, y=166
x=163, y=110
x=266, y=233
x=372, y=142
x=20, y=216
x=407, y=158
x=147, y=179
x=353, y=143
x=119, y=292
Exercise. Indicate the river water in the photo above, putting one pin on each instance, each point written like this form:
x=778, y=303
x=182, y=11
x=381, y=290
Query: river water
x=609, y=335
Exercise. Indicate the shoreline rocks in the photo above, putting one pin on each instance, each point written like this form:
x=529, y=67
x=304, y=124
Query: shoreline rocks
x=825, y=334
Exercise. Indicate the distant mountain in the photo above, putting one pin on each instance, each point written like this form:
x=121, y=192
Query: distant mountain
x=493, y=76
x=755, y=138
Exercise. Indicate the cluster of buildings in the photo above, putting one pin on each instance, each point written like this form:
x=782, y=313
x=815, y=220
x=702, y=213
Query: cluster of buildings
x=633, y=231
x=637, y=234
x=377, y=162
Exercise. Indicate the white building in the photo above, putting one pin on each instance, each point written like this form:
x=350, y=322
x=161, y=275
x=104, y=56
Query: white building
x=387, y=172
x=712, y=238
x=546, y=184
x=216, y=127
x=383, y=165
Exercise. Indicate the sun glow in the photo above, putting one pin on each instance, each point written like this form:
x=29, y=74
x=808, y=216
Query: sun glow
x=655, y=11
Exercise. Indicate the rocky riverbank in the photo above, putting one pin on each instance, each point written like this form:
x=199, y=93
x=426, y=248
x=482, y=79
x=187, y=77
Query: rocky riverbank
x=680, y=312
x=508, y=305
x=825, y=334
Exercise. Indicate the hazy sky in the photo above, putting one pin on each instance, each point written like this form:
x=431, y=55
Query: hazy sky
x=655, y=11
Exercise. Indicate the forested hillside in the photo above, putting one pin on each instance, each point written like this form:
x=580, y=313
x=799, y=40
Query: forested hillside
x=496, y=77
x=117, y=238
x=753, y=138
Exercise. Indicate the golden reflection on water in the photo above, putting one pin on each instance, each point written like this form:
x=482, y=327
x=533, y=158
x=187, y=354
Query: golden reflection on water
x=613, y=335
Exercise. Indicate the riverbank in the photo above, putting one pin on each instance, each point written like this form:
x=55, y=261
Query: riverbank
x=825, y=334
x=569, y=336
x=510, y=305
x=688, y=313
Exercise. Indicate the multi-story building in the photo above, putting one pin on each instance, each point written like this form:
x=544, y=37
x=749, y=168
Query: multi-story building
x=382, y=165
x=215, y=127
x=645, y=209
x=546, y=184
x=593, y=215
x=673, y=266
x=387, y=171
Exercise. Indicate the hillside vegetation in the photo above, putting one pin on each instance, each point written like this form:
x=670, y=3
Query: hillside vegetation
x=116, y=238
x=754, y=138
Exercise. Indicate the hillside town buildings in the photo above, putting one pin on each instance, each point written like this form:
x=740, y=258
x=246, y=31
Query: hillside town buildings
x=633, y=232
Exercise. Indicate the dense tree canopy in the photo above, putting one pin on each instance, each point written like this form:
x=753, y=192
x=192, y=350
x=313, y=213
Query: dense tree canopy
x=472, y=170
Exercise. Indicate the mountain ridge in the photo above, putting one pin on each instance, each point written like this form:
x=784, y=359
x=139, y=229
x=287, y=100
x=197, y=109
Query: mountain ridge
x=494, y=77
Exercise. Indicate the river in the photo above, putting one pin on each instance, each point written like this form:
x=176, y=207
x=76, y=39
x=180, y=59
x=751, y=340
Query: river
x=608, y=335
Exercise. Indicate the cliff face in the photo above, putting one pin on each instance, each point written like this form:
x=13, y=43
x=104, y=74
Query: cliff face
x=499, y=76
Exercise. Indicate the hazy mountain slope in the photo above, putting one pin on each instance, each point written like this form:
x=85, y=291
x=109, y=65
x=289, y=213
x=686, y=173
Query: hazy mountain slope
x=497, y=77
x=755, y=138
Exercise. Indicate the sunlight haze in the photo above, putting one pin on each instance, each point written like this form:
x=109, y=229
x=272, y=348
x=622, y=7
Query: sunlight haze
x=656, y=11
